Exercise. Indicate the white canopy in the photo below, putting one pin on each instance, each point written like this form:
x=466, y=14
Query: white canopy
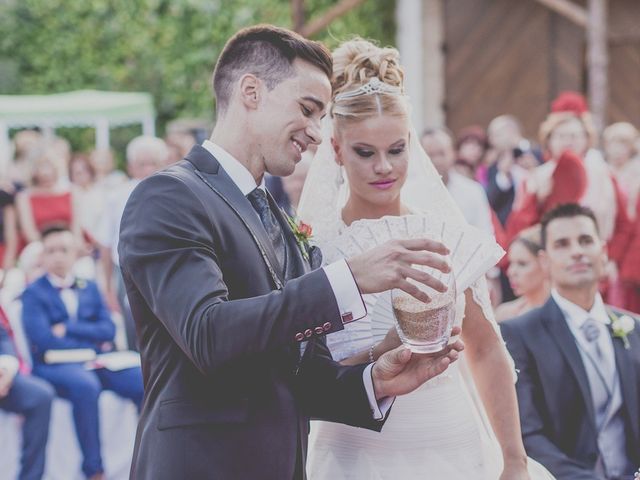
x=83, y=108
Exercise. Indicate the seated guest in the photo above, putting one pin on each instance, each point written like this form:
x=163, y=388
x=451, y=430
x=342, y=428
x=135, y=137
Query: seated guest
x=47, y=200
x=60, y=312
x=526, y=277
x=27, y=396
x=107, y=175
x=621, y=153
x=578, y=361
x=468, y=194
x=145, y=155
x=89, y=196
x=471, y=147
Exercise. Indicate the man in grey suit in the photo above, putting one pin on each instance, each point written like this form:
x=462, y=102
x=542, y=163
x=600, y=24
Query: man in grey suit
x=230, y=305
x=578, y=360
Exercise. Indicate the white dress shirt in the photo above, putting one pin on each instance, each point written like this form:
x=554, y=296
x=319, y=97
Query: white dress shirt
x=342, y=283
x=576, y=316
x=68, y=295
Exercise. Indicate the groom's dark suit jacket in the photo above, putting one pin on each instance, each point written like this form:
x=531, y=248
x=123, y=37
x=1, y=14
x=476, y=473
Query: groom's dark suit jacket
x=554, y=397
x=226, y=395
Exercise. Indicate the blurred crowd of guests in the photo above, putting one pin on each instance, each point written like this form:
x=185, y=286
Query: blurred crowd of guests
x=522, y=179
x=61, y=284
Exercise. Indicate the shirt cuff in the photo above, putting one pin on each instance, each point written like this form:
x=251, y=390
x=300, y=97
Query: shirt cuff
x=503, y=181
x=346, y=291
x=379, y=409
x=10, y=364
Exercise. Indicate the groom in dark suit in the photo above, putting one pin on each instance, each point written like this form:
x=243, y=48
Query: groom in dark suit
x=578, y=360
x=229, y=303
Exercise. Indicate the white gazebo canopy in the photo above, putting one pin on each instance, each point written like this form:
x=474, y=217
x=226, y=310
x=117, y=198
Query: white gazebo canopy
x=82, y=108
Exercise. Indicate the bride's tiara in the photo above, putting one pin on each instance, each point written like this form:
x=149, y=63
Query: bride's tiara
x=373, y=86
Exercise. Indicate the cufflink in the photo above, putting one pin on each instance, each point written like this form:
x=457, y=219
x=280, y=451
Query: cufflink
x=347, y=317
x=299, y=337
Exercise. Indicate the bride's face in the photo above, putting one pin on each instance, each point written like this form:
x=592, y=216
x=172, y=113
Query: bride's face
x=375, y=156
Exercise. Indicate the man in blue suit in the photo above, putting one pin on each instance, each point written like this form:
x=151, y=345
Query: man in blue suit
x=27, y=396
x=61, y=312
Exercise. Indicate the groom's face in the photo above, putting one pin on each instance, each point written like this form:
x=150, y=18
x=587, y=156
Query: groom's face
x=288, y=119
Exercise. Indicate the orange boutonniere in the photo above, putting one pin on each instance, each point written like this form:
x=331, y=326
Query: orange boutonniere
x=303, y=233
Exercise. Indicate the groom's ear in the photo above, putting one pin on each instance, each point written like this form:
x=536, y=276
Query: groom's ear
x=250, y=91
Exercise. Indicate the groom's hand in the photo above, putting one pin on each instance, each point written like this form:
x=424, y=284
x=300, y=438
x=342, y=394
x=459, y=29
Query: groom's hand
x=400, y=371
x=389, y=266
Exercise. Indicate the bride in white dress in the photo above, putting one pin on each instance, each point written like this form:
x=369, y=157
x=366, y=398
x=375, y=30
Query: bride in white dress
x=464, y=423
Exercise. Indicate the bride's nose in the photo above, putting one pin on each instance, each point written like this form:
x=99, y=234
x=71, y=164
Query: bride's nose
x=383, y=166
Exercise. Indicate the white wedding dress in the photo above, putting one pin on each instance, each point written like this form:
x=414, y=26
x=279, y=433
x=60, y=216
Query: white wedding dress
x=438, y=432
x=441, y=430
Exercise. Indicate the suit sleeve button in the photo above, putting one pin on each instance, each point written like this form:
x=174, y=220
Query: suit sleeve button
x=308, y=332
x=299, y=337
x=318, y=330
x=326, y=326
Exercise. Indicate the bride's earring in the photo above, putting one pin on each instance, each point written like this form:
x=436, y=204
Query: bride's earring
x=340, y=178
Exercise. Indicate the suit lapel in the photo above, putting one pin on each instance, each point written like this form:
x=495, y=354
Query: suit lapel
x=213, y=175
x=60, y=313
x=626, y=374
x=294, y=255
x=559, y=331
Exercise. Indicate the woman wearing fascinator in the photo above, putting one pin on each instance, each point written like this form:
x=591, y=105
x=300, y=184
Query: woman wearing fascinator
x=369, y=172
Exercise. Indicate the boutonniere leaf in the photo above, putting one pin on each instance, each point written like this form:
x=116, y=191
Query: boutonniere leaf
x=622, y=326
x=302, y=233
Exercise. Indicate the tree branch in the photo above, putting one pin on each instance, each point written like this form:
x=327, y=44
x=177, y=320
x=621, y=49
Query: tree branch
x=297, y=14
x=318, y=24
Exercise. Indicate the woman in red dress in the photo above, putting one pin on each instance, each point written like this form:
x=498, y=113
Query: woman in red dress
x=574, y=172
x=45, y=202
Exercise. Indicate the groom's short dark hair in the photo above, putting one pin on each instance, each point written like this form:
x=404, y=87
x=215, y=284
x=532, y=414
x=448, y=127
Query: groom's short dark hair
x=267, y=52
x=565, y=210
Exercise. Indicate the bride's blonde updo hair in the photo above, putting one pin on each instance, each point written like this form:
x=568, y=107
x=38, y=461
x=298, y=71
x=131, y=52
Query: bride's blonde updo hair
x=355, y=63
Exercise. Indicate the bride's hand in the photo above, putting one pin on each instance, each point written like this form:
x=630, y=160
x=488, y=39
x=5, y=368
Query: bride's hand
x=389, y=342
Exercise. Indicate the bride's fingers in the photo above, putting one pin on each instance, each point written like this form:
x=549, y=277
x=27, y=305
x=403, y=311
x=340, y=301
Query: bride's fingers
x=426, y=259
x=452, y=356
x=424, y=278
x=424, y=244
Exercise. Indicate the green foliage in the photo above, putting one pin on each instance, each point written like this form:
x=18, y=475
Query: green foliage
x=165, y=47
